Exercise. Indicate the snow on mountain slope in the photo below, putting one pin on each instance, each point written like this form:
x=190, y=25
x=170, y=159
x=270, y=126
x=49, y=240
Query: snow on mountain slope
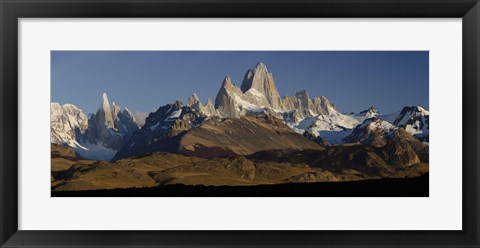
x=335, y=127
x=333, y=122
x=258, y=87
x=335, y=137
x=258, y=95
x=419, y=128
x=67, y=123
x=96, y=151
x=108, y=130
x=332, y=127
x=389, y=117
x=372, y=132
x=370, y=112
x=168, y=121
x=97, y=136
x=408, y=113
x=375, y=124
x=414, y=119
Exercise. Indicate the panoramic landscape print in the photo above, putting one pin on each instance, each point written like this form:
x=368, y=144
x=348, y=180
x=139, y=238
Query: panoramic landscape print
x=239, y=123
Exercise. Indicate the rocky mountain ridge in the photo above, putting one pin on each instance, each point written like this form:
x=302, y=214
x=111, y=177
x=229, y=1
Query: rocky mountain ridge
x=114, y=133
x=99, y=136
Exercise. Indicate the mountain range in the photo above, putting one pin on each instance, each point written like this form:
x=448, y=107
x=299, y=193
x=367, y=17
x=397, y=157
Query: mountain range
x=243, y=120
x=98, y=136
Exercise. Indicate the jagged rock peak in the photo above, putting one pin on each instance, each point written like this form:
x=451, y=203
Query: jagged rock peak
x=209, y=108
x=177, y=104
x=259, y=79
x=260, y=67
x=115, y=110
x=417, y=109
x=370, y=112
x=105, y=113
x=192, y=100
x=302, y=94
x=209, y=102
x=370, y=109
x=256, y=78
x=105, y=102
x=304, y=99
x=225, y=100
x=322, y=105
x=195, y=103
x=227, y=82
x=408, y=113
x=129, y=114
x=229, y=87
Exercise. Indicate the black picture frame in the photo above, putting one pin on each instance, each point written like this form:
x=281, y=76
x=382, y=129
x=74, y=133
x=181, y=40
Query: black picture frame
x=12, y=10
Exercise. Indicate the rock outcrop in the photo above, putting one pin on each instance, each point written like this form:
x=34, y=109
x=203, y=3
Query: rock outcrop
x=195, y=103
x=258, y=85
x=209, y=108
x=110, y=127
x=402, y=149
x=226, y=100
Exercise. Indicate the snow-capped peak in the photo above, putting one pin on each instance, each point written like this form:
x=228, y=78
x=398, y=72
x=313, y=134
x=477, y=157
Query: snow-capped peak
x=370, y=112
x=375, y=124
x=409, y=112
x=415, y=120
x=67, y=122
x=372, y=131
x=422, y=110
x=260, y=79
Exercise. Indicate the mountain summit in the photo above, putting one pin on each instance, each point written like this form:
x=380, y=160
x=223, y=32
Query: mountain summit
x=259, y=94
x=104, y=113
x=370, y=112
x=259, y=82
x=226, y=100
x=96, y=137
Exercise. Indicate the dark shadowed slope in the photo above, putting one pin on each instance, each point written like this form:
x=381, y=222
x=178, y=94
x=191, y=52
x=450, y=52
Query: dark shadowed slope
x=214, y=137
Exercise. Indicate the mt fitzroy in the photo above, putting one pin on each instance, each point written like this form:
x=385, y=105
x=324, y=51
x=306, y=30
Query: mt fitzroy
x=242, y=120
x=258, y=93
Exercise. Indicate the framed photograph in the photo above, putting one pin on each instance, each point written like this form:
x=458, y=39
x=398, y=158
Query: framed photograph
x=239, y=123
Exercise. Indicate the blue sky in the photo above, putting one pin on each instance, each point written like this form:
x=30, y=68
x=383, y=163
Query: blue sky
x=146, y=80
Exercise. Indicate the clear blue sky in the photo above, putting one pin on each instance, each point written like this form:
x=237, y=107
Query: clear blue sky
x=145, y=80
